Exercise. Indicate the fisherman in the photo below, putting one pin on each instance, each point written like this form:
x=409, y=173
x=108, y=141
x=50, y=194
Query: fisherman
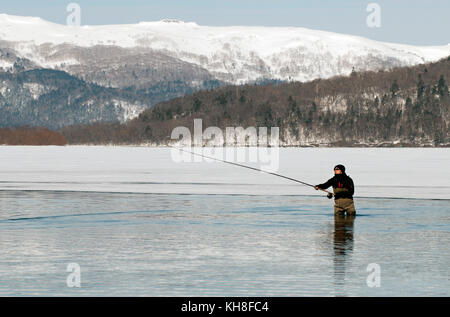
x=343, y=189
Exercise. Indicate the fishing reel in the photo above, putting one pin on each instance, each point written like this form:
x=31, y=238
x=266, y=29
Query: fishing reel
x=329, y=195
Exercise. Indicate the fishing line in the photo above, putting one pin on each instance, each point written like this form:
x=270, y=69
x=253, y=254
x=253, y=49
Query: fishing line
x=330, y=195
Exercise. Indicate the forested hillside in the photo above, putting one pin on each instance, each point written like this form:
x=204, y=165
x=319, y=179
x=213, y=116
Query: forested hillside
x=403, y=107
x=34, y=96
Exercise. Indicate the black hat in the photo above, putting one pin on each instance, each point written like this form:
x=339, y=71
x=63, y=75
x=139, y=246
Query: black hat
x=340, y=167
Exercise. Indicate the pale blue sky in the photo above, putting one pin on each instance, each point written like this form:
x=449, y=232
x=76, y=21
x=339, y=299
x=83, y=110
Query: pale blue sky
x=418, y=22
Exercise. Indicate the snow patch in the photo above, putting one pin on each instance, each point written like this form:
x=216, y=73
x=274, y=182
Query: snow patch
x=127, y=110
x=5, y=64
x=35, y=89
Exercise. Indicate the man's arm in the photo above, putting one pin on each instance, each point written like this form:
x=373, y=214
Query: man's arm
x=352, y=186
x=325, y=185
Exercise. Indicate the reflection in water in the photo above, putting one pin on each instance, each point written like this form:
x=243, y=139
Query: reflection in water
x=342, y=246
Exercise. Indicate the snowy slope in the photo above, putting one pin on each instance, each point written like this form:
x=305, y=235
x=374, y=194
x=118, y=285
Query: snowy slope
x=236, y=54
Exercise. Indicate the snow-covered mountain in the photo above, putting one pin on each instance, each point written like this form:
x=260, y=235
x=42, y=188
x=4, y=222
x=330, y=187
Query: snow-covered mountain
x=235, y=54
x=56, y=75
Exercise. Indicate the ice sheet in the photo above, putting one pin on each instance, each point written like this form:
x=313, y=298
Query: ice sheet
x=399, y=172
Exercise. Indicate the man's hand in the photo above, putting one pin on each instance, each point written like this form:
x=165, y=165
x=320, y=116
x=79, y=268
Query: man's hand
x=316, y=187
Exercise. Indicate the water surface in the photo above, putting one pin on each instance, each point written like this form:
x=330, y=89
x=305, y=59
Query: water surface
x=139, y=224
x=219, y=245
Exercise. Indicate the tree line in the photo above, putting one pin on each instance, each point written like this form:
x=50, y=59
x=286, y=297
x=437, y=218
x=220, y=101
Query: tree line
x=30, y=136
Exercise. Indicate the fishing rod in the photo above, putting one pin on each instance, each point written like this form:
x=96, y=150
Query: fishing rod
x=329, y=194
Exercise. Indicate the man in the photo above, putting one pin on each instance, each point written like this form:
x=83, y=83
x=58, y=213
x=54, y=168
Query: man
x=343, y=189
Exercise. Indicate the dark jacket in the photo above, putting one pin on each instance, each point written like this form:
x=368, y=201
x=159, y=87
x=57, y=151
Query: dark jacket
x=343, y=186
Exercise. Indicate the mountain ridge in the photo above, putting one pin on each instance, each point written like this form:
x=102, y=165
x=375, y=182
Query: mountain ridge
x=233, y=54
